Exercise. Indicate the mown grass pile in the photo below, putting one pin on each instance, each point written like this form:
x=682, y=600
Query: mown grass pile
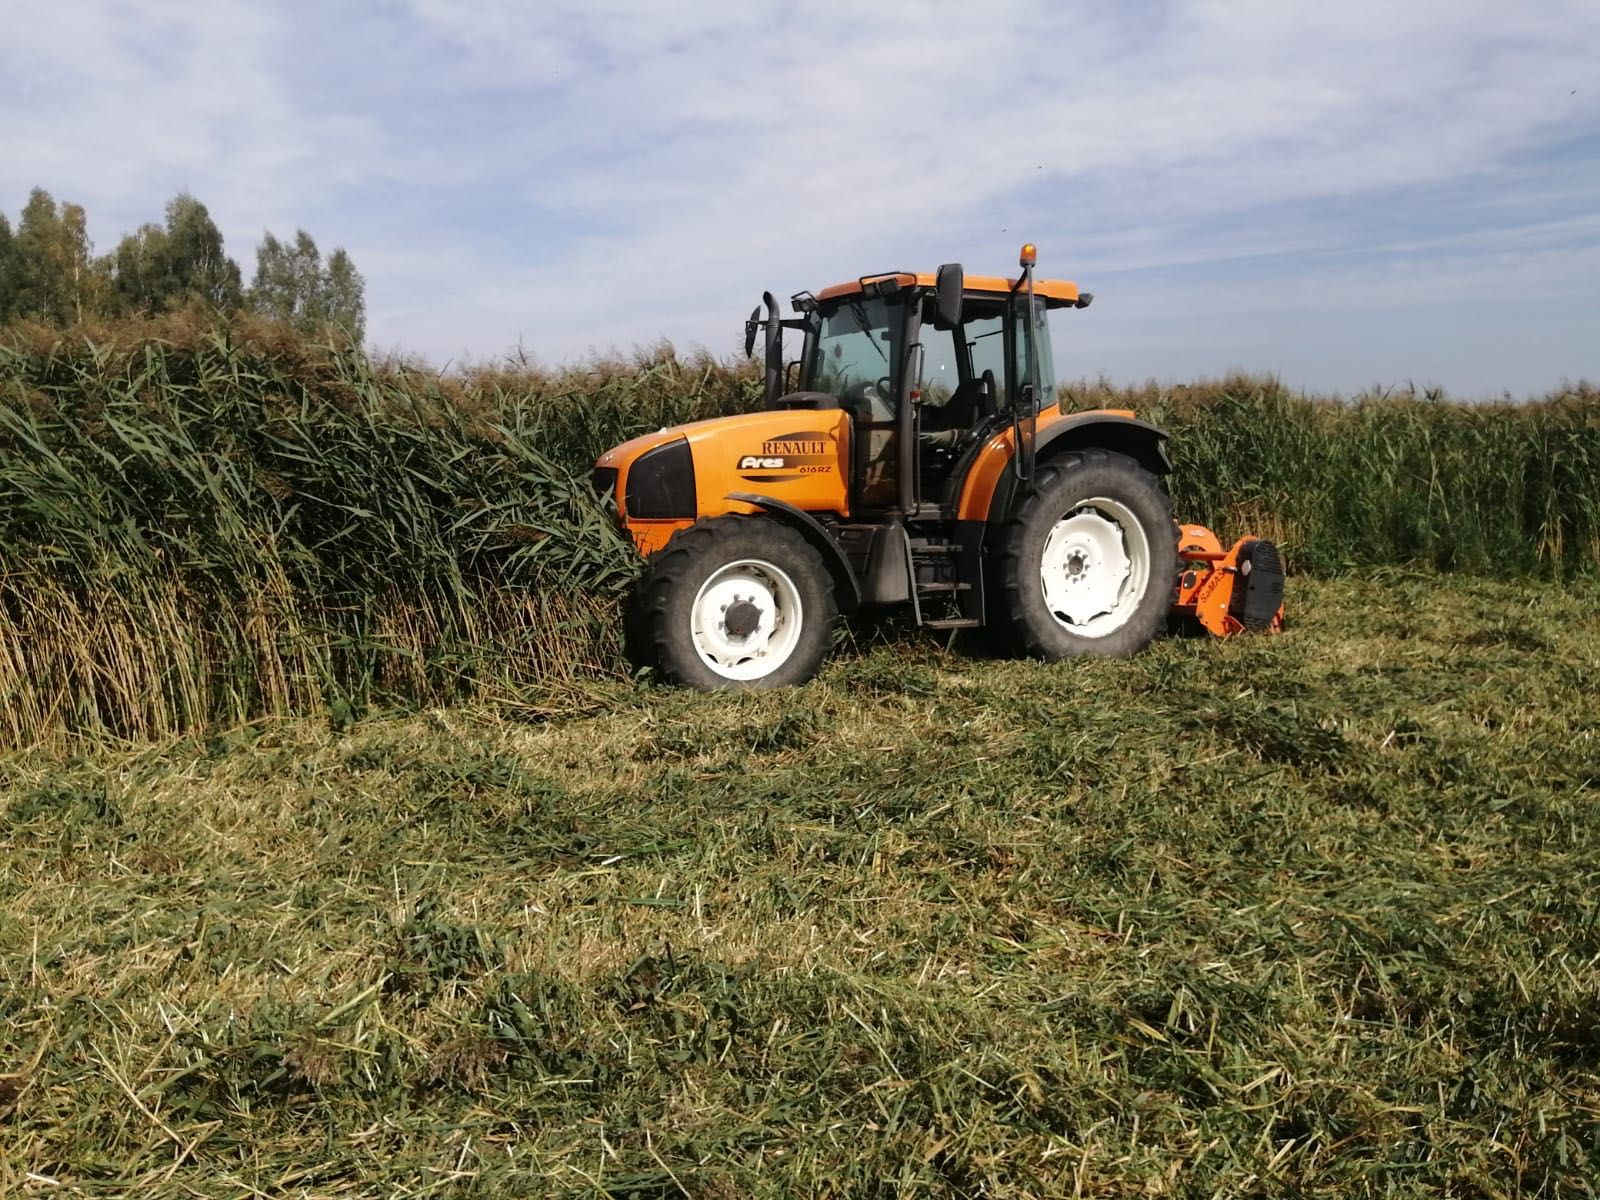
x=199, y=525
x=1313, y=915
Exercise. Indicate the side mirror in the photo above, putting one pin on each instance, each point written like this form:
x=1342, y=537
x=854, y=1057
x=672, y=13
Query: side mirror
x=751, y=327
x=951, y=283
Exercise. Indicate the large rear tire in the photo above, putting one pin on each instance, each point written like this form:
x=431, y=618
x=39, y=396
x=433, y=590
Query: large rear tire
x=736, y=602
x=1088, y=563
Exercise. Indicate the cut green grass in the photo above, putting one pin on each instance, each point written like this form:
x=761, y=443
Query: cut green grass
x=1313, y=914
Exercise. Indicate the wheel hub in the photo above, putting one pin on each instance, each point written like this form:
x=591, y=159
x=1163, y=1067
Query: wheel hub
x=742, y=618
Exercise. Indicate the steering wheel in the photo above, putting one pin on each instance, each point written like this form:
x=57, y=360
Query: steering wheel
x=884, y=389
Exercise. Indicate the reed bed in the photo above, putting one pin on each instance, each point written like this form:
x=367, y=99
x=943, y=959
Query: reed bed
x=204, y=524
x=1410, y=478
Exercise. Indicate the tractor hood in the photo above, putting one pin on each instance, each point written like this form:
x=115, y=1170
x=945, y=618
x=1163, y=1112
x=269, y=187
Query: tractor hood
x=798, y=456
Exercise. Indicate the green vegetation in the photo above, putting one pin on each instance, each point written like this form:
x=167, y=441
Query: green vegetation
x=1301, y=915
x=201, y=524
x=216, y=523
x=157, y=267
x=49, y=273
x=295, y=286
x=1308, y=915
x=46, y=267
x=1499, y=488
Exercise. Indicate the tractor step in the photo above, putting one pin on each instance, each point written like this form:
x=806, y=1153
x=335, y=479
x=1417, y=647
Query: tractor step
x=953, y=623
x=941, y=589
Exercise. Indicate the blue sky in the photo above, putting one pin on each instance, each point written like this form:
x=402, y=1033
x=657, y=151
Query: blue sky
x=1347, y=194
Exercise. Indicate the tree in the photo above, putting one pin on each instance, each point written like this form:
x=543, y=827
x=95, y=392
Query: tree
x=198, y=262
x=138, y=270
x=8, y=269
x=345, y=293
x=285, y=286
x=48, y=272
x=158, y=268
x=53, y=273
x=292, y=285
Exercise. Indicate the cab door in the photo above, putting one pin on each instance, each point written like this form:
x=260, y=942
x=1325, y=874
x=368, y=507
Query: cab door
x=856, y=355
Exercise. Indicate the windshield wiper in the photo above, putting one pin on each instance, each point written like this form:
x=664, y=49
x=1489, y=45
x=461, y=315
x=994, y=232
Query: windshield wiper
x=859, y=311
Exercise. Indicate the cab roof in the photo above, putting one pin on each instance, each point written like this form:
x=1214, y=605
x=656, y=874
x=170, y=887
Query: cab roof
x=1054, y=292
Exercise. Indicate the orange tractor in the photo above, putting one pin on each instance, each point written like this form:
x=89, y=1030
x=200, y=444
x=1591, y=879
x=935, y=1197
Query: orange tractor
x=921, y=459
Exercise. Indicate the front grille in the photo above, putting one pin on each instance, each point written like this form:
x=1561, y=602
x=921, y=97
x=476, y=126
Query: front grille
x=661, y=483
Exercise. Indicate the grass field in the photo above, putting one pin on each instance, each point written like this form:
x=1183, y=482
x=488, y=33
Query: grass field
x=1309, y=915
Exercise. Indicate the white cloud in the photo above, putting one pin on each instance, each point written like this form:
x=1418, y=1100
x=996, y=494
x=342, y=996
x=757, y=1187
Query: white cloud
x=912, y=133
x=597, y=173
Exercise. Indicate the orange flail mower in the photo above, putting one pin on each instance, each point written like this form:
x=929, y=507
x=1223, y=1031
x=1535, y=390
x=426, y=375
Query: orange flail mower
x=1237, y=590
x=916, y=454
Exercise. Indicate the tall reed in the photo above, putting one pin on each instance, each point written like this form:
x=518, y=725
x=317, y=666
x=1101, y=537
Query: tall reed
x=207, y=524
x=204, y=524
x=1500, y=488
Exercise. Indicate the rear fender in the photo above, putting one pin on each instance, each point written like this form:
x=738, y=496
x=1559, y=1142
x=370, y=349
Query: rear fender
x=1145, y=444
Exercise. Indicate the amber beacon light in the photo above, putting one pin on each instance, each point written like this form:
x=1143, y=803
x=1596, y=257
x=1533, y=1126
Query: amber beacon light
x=1030, y=255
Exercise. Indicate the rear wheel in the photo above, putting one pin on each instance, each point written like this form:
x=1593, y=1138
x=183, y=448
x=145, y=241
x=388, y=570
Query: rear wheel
x=736, y=602
x=1087, y=564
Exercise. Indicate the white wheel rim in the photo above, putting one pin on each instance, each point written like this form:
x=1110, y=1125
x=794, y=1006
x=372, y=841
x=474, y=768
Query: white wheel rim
x=764, y=626
x=1095, y=568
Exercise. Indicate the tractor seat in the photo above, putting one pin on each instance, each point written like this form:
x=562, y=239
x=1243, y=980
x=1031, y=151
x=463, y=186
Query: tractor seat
x=959, y=413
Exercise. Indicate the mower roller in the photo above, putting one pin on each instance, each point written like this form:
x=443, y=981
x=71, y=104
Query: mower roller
x=915, y=454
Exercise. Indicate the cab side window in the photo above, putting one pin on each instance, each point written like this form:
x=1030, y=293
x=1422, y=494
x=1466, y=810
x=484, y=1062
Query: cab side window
x=941, y=375
x=1047, y=366
x=853, y=355
x=987, y=344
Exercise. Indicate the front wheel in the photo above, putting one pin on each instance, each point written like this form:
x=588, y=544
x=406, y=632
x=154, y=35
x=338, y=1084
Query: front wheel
x=1088, y=563
x=736, y=602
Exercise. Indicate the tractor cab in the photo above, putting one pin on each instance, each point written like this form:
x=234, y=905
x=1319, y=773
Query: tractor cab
x=926, y=366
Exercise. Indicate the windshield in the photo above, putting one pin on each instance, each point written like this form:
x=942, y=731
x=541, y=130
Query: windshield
x=854, y=351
